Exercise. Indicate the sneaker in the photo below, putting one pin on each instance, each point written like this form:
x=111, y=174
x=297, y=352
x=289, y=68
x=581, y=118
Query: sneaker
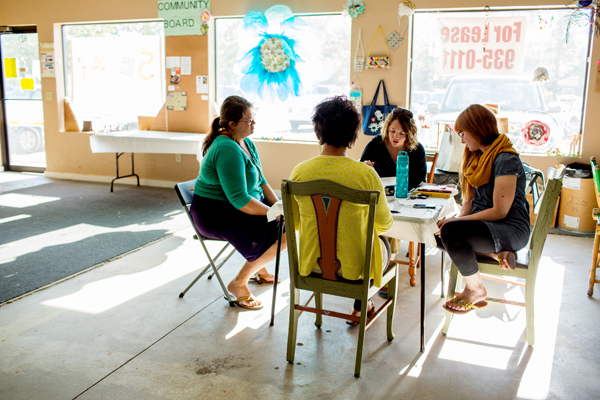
x=383, y=292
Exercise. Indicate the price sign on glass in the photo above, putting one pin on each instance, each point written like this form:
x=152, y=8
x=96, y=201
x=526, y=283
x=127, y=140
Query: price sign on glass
x=480, y=46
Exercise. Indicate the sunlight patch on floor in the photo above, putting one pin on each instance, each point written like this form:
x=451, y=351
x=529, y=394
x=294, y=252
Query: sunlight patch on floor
x=414, y=370
x=18, y=200
x=535, y=383
x=14, y=218
x=9, y=252
x=255, y=319
x=102, y=295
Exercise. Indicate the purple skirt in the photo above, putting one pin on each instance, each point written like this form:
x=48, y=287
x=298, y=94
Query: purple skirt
x=251, y=235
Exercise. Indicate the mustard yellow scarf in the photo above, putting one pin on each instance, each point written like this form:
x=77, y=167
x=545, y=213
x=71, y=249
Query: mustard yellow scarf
x=479, y=166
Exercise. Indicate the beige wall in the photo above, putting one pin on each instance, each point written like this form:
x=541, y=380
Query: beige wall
x=69, y=152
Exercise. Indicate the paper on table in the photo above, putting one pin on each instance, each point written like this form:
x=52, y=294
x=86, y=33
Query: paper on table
x=410, y=212
x=430, y=201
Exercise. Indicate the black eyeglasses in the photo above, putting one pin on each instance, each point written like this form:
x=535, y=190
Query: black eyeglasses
x=404, y=111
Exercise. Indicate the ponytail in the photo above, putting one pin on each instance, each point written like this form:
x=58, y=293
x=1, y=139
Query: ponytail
x=212, y=134
x=232, y=110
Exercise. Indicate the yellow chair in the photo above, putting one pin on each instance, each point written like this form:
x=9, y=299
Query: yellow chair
x=330, y=194
x=528, y=260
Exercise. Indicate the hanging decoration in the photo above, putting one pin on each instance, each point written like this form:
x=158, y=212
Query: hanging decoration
x=540, y=74
x=406, y=8
x=205, y=17
x=544, y=23
x=535, y=133
x=394, y=40
x=380, y=61
x=354, y=8
x=584, y=13
x=275, y=54
x=359, y=62
x=486, y=28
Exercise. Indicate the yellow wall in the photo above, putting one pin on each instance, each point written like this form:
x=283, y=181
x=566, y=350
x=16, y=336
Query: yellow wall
x=69, y=152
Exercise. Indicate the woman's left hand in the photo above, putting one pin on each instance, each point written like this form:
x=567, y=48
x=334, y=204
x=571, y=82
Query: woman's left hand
x=441, y=222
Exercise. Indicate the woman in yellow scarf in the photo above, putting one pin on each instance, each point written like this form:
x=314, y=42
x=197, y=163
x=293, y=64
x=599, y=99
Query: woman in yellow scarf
x=494, y=220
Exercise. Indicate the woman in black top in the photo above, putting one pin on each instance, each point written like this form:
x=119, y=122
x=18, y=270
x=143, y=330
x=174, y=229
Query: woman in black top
x=399, y=134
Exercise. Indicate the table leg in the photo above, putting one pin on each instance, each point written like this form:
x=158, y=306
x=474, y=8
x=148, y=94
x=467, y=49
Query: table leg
x=124, y=176
x=277, y=258
x=422, y=261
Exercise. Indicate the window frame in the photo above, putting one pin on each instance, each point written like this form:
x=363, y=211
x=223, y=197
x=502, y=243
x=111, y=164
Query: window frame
x=213, y=71
x=590, y=44
x=59, y=63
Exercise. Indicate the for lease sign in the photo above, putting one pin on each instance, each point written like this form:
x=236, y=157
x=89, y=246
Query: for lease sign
x=473, y=46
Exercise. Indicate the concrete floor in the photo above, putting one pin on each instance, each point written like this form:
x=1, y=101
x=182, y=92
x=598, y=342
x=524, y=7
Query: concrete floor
x=120, y=332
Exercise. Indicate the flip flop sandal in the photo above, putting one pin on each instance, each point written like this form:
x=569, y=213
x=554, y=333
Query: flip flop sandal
x=465, y=304
x=511, y=261
x=238, y=302
x=263, y=279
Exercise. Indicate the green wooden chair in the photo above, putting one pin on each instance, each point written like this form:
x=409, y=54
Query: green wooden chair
x=332, y=194
x=528, y=261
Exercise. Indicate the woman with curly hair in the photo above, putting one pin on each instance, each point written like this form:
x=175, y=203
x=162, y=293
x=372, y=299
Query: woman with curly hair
x=336, y=124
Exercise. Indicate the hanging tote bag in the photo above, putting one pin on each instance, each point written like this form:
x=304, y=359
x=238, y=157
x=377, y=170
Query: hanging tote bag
x=373, y=115
x=378, y=62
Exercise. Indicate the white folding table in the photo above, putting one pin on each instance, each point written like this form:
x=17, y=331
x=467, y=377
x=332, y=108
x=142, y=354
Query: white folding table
x=136, y=141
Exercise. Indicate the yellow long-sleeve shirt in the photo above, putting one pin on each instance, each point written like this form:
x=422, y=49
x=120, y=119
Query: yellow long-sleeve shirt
x=352, y=224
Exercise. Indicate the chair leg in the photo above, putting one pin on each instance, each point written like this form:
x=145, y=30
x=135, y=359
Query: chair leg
x=442, y=274
x=361, y=336
x=453, y=283
x=412, y=262
x=293, y=329
x=529, y=310
x=392, y=294
x=595, y=250
x=319, y=305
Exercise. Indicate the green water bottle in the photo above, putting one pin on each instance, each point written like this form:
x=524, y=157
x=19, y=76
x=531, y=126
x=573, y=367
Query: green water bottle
x=402, y=175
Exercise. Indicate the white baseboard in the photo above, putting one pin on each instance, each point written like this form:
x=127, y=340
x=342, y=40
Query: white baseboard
x=107, y=179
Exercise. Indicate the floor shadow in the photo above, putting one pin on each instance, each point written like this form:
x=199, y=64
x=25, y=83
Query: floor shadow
x=49, y=264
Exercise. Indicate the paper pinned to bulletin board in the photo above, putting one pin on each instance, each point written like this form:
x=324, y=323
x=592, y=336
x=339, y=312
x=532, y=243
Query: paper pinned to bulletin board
x=202, y=84
x=176, y=101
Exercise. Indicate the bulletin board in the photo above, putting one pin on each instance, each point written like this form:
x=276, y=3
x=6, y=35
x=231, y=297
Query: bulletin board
x=194, y=118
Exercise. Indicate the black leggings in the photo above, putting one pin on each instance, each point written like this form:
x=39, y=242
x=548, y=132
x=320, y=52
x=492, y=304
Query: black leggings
x=461, y=239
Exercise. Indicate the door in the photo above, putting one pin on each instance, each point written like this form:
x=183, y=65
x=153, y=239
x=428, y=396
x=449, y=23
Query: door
x=23, y=145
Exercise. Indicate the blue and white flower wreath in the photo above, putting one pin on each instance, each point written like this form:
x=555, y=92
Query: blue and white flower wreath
x=274, y=51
